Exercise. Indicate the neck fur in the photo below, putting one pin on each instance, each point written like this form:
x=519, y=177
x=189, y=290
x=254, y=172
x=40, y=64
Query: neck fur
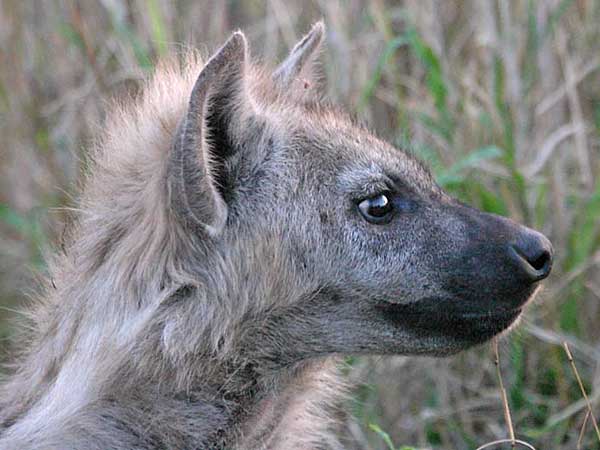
x=100, y=378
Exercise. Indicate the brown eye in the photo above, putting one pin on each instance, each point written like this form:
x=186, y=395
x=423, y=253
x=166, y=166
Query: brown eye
x=376, y=209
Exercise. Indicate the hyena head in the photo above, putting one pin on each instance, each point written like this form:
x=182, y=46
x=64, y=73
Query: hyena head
x=339, y=242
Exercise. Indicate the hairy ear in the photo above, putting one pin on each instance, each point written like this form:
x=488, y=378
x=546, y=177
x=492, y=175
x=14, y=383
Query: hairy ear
x=199, y=149
x=299, y=63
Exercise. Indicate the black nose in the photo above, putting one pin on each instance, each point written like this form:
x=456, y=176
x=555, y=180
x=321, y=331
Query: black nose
x=533, y=253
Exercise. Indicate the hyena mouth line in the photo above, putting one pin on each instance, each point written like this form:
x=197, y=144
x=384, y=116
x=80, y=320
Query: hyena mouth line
x=398, y=309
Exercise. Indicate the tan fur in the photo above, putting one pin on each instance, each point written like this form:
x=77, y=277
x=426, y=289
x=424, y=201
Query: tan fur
x=125, y=256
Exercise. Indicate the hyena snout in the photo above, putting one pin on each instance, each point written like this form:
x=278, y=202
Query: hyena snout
x=511, y=259
x=493, y=269
x=533, y=254
x=500, y=263
x=519, y=255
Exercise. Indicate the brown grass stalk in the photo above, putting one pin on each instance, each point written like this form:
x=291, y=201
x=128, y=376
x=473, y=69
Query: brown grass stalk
x=582, y=431
x=511, y=432
x=583, y=391
x=507, y=417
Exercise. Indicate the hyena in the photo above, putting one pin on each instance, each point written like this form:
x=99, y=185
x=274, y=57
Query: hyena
x=236, y=236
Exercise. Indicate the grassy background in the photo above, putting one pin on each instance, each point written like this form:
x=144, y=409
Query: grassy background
x=502, y=98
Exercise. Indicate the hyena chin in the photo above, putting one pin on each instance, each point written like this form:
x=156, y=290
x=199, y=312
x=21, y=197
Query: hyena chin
x=236, y=235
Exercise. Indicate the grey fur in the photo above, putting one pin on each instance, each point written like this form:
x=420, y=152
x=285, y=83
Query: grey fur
x=219, y=266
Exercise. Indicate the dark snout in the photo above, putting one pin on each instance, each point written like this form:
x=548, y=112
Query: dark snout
x=488, y=267
x=499, y=263
x=532, y=253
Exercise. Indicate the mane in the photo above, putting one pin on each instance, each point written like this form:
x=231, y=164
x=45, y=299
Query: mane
x=123, y=255
x=125, y=197
x=125, y=259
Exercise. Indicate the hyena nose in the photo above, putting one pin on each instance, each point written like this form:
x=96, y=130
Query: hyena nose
x=533, y=253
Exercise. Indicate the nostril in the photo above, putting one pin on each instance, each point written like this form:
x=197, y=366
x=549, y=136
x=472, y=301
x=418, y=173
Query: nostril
x=534, y=256
x=541, y=261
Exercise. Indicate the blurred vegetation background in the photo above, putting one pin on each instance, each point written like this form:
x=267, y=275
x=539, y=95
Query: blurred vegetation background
x=501, y=97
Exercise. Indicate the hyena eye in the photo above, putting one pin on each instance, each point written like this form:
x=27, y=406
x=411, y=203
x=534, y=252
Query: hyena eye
x=377, y=209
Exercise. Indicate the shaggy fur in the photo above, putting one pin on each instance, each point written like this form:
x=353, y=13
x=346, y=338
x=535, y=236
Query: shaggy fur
x=219, y=264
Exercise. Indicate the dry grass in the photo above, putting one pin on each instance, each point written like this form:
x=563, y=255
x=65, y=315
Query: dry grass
x=502, y=97
x=590, y=410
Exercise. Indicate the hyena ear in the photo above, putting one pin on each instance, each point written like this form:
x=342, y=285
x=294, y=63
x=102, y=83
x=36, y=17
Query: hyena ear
x=298, y=67
x=202, y=143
